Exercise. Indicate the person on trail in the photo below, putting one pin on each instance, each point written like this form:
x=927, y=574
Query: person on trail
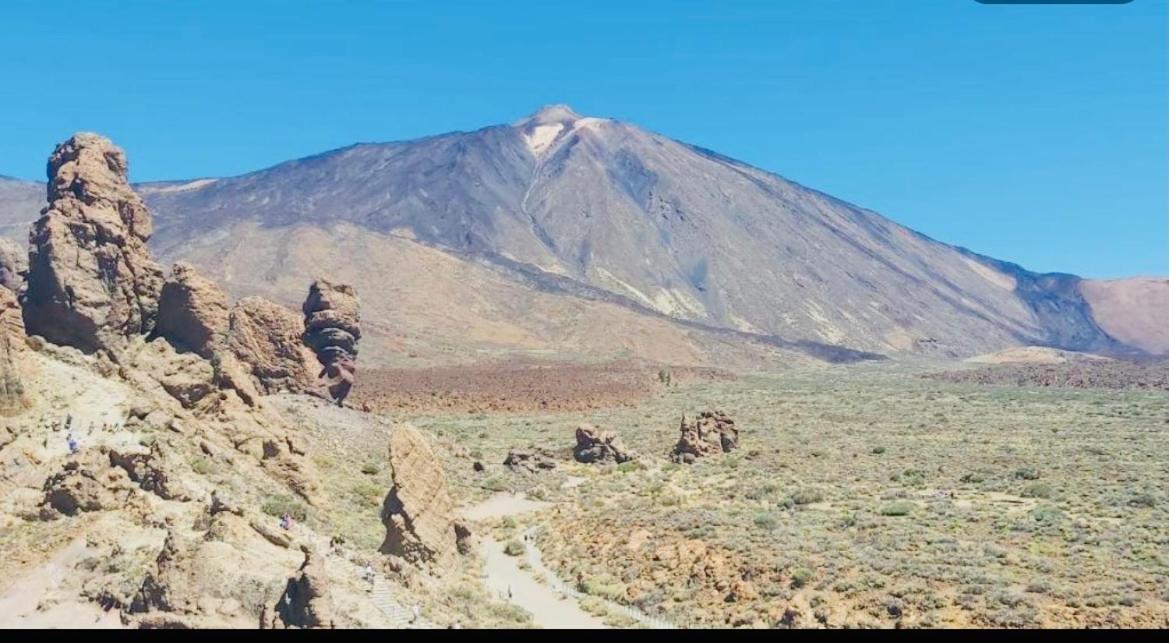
x=285, y=521
x=417, y=612
x=72, y=445
x=509, y=592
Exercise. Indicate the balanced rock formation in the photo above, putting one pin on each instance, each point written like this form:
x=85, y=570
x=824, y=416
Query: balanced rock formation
x=12, y=347
x=332, y=328
x=91, y=279
x=267, y=337
x=418, y=510
x=13, y=265
x=594, y=445
x=710, y=433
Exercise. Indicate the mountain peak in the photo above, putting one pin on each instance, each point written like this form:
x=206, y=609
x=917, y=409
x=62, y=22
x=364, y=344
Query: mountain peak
x=550, y=115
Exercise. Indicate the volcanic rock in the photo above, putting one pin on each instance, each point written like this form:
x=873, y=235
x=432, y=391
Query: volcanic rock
x=12, y=349
x=267, y=338
x=305, y=603
x=710, y=433
x=13, y=265
x=91, y=280
x=418, y=510
x=332, y=328
x=595, y=445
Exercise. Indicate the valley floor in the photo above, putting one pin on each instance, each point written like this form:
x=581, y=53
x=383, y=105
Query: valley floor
x=861, y=496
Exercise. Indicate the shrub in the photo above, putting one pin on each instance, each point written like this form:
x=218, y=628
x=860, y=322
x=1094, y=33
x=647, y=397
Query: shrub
x=1037, y=490
x=878, y=450
x=370, y=469
x=807, y=496
x=1027, y=473
x=514, y=548
x=800, y=577
x=766, y=522
x=897, y=509
x=277, y=506
x=1143, y=500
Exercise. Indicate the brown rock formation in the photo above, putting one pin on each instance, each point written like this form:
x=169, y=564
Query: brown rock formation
x=595, y=445
x=91, y=279
x=332, y=328
x=418, y=510
x=528, y=461
x=13, y=264
x=305, y=603
x=192, y=312
x=12, y=348
x=710, y=433
x=267, y=338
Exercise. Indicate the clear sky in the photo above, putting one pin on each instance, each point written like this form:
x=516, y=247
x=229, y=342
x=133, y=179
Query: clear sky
x=1036, y=134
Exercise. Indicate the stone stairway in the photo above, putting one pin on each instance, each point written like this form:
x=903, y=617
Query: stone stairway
x=399, y=615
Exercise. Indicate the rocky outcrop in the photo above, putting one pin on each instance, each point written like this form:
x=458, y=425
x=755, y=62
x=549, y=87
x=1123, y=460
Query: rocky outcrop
x=193, y=316
x=594, y=445
x=267, y=338
x=193, y=312
x=332, y=328
x=91, y=280
x=418, y=510
x=305, y=603
x=12, y=352
x=13, y=264
x=534, y=461
x=81, y=487
x=710, y=433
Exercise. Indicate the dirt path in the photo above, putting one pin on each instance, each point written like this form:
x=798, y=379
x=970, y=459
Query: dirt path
x=502, y=574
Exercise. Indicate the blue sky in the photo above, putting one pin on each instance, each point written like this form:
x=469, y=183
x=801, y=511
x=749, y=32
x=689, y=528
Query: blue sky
x=1036, y=134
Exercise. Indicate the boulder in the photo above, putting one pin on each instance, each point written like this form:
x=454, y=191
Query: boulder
x=418, y=511
x=594, y=445
x=81, y=487
x=91, y=280
x=710, y=433
x=528, y=461
x=267, y=339
x=193, y=316
x=192, y=312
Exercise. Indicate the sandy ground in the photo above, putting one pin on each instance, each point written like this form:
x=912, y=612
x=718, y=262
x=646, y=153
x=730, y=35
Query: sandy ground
x=41, y=598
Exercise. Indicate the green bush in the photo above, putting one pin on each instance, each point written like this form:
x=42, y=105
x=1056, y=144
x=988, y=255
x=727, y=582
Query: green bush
x=807, y=496
x=800, y=577
x=1037, y=490
x=514, y=548
x=897, y=509
x=766, y=522
x=370, y=469
x=277, y=506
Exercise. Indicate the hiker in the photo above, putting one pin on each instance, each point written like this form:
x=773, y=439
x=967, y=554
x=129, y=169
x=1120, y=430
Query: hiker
x=368, y=574
x=72, y=445
x=509, y=592
x=285, y=521
x=417, y=611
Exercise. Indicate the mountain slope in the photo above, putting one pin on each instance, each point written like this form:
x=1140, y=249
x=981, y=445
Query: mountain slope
x=604, y=208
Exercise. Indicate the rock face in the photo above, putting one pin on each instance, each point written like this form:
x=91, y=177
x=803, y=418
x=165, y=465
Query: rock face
x=267, y=337
x=595, y=445
x=418, y=510
x=91, y=279
x=710, y=433
x=193, y=312
x=12, y=398
x=332, y=328
x=306, y=603
x=13, y=265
